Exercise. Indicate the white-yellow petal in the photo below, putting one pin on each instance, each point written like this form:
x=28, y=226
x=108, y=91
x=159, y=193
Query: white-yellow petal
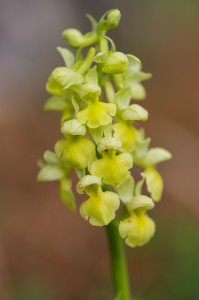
x=87, y=181
x=73, y=127
x=89, y=92
x=154, y=183
x=134, y=112
x=156, y=155
x=66, y=194
x=127, y=134
x=140, y=203
x=125, y=189
x=108, y=143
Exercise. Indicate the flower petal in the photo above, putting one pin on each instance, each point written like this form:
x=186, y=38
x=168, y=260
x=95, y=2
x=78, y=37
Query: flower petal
x=156, y=155
x=137, y=91
x=66, y=194
x=87, y=181
x=67, y=56
x=140, y=203
x=154, y=183
x=127, y=134
x=50, y=173
x=73, y=127
x=135, y=112
x=122, y=98
x=125, y=189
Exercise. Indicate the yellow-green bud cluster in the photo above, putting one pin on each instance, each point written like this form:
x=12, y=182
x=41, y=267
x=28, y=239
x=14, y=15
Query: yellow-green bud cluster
x=96, y=94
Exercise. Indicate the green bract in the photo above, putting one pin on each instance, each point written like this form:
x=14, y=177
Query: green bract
x=95, y=94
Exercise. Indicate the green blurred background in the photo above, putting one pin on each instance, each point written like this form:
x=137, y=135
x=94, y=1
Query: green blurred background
x=47, y=252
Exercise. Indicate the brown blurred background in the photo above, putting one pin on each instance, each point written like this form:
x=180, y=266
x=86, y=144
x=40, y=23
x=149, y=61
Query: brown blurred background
x=47, y=252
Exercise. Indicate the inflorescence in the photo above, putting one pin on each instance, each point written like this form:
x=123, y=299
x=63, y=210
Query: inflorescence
x=94, y=91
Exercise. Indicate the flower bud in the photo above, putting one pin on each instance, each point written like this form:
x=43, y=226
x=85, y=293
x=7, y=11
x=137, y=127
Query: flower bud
x=113, y=19
x=74, y=37
x=115, y=63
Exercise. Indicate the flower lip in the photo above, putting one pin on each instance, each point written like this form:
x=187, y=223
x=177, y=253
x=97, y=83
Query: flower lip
x=137, y=230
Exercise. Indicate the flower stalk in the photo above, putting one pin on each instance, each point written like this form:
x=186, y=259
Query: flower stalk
x=120, y=278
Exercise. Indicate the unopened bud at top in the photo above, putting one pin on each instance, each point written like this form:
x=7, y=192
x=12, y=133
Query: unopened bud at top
x=74, y=37
x=113, y=18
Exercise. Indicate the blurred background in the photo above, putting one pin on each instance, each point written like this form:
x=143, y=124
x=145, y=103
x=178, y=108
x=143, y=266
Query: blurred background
x=47, y=252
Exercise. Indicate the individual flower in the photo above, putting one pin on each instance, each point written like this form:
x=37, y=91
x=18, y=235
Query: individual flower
x=56, y=169
x=138, y=228
x=112, y=167
x=76, y=150
x=61, y=79
x=53, y=168
x=101, y=206
x=148, y=159
x=132, y=78
x=127, y=112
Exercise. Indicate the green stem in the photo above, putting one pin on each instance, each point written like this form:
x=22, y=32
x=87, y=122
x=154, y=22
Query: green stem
x=118, y=262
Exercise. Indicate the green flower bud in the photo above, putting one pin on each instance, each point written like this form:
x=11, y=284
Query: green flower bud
x=113, y=19
x=74, y=37
x=115, y=63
